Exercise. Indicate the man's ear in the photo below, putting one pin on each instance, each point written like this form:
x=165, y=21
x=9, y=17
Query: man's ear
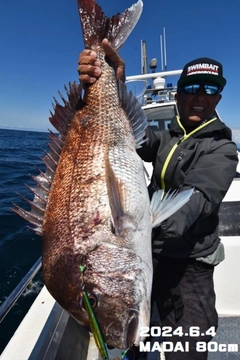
x=218, y=99
x=176, y=97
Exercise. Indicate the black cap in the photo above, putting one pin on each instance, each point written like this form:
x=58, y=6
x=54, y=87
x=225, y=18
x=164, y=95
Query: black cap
x=202, y=69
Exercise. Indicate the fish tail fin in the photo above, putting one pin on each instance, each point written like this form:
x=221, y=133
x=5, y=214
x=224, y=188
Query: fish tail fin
x=96, y=26
x=163, y=207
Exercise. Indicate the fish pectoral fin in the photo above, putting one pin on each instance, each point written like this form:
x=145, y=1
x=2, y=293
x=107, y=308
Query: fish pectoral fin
x=114, y=195
x=124, y=225
x=121, y=220
x=162, y=207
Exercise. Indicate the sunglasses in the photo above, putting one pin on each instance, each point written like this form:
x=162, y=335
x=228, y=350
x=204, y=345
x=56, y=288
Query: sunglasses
x=209, y=89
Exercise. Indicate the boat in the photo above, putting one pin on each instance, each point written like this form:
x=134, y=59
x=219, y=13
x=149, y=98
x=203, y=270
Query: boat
x=48, y=332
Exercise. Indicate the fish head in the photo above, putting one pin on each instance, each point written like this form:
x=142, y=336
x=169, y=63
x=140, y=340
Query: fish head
x=120, y=312
x=118, y=285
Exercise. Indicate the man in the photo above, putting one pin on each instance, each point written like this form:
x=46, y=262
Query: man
x=196, y=152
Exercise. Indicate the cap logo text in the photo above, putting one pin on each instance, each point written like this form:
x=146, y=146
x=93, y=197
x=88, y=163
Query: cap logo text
x=202, y=69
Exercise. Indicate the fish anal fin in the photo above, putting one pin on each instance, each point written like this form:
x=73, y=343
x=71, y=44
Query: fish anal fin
x=162, y=207
x=63, y=114
x=134, y=113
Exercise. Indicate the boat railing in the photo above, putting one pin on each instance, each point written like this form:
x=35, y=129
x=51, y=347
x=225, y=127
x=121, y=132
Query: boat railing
x=153, y=75
x=17, y=292
x=155, y=92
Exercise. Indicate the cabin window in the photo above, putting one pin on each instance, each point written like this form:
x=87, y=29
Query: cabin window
x=159, y=117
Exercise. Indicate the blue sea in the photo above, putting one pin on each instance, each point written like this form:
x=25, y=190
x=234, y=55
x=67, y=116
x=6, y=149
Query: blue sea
x=20, y=247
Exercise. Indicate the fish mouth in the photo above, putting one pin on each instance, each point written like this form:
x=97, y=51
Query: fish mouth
x=137, y=320
x=123, y=335
x=132, y=329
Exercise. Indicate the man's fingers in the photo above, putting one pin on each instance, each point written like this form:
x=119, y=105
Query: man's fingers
x=87, y=55
x=90, y=70
x=88, y=67
x=118, y=62
x=109, y=51
x=86, y=79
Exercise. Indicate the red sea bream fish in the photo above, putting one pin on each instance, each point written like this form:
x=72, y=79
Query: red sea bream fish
x=91, y=206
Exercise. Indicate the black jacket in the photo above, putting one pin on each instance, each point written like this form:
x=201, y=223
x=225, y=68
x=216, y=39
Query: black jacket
x=204, y=159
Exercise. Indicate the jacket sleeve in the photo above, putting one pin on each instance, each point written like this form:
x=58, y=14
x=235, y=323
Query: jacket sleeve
x=211, y=177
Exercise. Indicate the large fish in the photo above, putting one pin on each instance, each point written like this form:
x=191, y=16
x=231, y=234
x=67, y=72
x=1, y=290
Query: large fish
x=91, y=206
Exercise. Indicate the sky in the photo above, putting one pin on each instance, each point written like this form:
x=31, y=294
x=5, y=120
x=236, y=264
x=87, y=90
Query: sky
x=40, y=43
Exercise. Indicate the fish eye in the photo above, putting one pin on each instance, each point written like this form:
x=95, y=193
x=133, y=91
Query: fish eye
x=93, y=300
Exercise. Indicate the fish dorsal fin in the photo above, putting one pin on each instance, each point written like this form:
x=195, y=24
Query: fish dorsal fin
x=62, y=117
x=134, y=113
x=63, y=114
x=96, y=26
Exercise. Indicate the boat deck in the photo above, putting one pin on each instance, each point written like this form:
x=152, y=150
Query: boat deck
x=223, y=347
x=228, y=333
x=48, y=332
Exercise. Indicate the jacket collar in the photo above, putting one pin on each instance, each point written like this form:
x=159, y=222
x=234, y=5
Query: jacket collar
x=208, y=129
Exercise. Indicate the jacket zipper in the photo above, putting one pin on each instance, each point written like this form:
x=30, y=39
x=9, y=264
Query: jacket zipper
x=183, y=138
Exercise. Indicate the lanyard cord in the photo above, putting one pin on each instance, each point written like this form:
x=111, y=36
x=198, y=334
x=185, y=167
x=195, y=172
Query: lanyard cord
x=183, y=138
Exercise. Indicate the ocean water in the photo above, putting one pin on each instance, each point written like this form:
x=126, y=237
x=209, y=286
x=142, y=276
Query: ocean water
x=20, y=247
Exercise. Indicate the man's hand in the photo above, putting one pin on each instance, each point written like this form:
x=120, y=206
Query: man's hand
x=89, y=66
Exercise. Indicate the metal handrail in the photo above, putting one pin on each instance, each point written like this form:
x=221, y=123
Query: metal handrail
x=17, y=292
x=153, y=75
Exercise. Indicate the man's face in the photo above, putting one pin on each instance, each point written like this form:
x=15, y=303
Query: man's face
x=194, y=108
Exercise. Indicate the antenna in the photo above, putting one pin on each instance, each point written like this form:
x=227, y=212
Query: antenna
x=143, y=57
x=161, y=51
x=165, y=50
